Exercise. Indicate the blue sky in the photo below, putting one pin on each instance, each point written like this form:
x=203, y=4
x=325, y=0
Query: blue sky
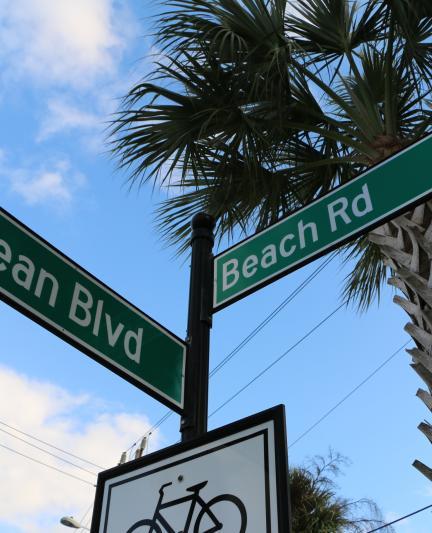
x=63, y=67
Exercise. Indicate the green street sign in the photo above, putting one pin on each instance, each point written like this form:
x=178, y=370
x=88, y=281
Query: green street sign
x=41, y=282
x=381, y=193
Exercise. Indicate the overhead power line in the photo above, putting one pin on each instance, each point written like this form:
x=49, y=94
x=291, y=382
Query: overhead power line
x=273, y=363
x=345, y=398
x=273, y=314
x=85, y=516
x=51, y=445
x=150, y=431
x=48, y=453
x=250, y=336
x=400, y=519
x=46, y=465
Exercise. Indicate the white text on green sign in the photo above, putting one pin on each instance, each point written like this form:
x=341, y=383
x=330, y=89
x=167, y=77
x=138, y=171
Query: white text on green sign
x=359, y=205
x=47, y=286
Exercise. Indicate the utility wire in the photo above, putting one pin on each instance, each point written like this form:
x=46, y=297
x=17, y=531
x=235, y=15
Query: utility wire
x=400, y=519
x=51, y=445
x=85, y=516
x=321, y=419
x=382, y=365
x=272, y=315
x=273, y=363
x=150, y=431
x=49, y=453
x=47, y=465
x=250, y=336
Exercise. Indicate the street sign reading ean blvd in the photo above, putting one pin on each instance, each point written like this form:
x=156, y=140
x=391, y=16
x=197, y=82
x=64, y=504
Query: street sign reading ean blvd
x=45, y=285
x=384, y=191
x=232, y=479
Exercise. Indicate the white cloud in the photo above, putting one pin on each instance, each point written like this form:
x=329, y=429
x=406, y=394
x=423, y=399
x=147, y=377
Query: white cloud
x=44, y=186
x=54, y=183
x=88, y=115
x=33, y=497
x=62, y=115
x=71, y=52
x=63, y=42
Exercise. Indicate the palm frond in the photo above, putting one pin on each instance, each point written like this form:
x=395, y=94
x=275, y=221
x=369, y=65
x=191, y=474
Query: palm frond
x=364, y=283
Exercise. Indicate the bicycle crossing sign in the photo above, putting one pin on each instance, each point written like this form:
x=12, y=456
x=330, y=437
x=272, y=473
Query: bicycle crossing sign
x=232, y=480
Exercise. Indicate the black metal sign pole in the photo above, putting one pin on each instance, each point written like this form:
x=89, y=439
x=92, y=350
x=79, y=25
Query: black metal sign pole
x=195, y=414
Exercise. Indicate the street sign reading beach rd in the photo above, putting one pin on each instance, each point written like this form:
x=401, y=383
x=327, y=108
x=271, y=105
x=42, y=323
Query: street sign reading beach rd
x=381, y=193
x=232, y=479
x=44, y=284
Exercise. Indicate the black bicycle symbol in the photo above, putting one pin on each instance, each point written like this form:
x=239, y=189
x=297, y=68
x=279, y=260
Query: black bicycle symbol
x=158, y=522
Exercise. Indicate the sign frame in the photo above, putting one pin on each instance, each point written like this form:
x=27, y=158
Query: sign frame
x=275, y=415
x=326, y=248
x=74, y=341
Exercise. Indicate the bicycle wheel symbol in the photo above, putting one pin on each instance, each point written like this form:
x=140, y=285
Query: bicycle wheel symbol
x=145, y=526
x=217, y=505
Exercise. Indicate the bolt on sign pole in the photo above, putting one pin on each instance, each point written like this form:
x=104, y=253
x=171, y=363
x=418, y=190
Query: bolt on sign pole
x=195, y=413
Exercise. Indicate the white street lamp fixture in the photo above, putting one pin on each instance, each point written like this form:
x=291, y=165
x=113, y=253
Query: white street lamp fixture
x=70, y=521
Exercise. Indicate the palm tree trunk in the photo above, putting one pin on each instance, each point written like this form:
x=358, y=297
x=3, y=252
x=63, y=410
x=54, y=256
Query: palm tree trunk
x=406, y=244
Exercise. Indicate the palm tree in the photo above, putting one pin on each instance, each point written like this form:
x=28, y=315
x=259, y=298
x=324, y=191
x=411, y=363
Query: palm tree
x=256, y=108
x=316, y=507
